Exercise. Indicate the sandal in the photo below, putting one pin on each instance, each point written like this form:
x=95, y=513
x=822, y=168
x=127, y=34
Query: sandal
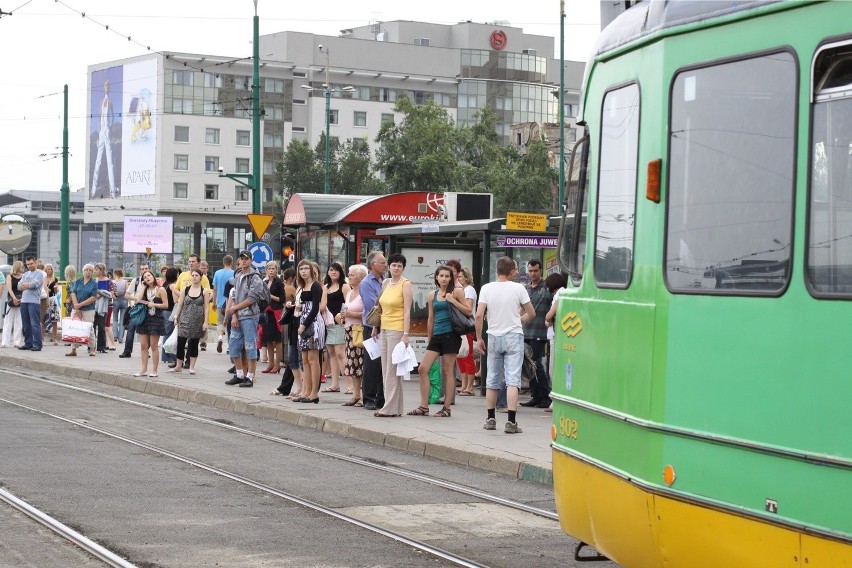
x=330, y=389
x=465, y=393
x=419, y=411
x=351, y=402
x=380, y=415
x=443, y=413
x=348, y=391
x=359, y=404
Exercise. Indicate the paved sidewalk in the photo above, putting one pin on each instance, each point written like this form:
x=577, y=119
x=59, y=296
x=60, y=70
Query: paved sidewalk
x=459, y=439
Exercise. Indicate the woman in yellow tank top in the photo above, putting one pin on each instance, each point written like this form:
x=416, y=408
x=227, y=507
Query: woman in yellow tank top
x=395, y=299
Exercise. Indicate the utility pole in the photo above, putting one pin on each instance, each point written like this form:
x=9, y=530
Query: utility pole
x=65, y=191
x=255, y=116
x=561, y=105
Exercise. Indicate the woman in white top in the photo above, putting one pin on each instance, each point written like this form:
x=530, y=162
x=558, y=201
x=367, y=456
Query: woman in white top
x=350, y=315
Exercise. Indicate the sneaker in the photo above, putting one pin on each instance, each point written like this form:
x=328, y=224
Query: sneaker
x=234, y=381
x=490, y=424
x=232, y=370
x=219, y=346
x=247, y=383
x=512, y=428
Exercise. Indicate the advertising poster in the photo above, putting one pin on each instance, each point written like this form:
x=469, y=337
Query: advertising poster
x=420, y=269
x=105, y=133
x=141, y=233
x=139, y=129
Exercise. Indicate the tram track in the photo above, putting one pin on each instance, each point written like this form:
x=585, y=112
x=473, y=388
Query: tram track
x=106, y=556
x=437, y=552
x=424, y=478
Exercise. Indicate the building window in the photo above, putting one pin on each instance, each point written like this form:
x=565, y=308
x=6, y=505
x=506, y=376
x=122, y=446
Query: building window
x=274, y=112
x=572, y=135
x=212, y=136
x=241, y=112
x=241, y=193
x=298, y=129
x=211, y=163
x=386, y=116
x=242, y=165
x=211, y=191
x=212, y=81
x=181, y=190
x=273, y=140
x=299, y=74
x=212, y=108
x=182, y=78
x=242, y=83
x=732, y=176
x=182, y=106
x=617, y=187
x=360, y=118
x=273, y=85
x=243, y=138
x=387, y=95
x=181, y=133
x=300, y=102
x=332, y=116
x=268, y=167
x=181, y=162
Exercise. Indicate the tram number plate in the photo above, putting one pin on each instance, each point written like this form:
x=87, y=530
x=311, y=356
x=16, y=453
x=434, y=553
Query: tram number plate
x=568, y=428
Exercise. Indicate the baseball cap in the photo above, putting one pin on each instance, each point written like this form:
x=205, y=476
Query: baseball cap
x=245, y=253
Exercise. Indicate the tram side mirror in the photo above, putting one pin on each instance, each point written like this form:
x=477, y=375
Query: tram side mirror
x=15, y=234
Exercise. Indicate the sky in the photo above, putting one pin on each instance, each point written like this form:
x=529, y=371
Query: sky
x=46, y=44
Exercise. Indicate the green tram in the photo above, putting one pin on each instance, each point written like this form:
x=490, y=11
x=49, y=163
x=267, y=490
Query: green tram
x=702, y=378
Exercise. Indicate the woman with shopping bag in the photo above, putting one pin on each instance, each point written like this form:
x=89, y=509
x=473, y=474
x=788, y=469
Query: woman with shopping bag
x=191, y=313
x=84, y=294
x=152, y=296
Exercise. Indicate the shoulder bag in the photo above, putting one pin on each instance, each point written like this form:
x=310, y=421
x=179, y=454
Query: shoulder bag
x=374, y=316
x=461, y=323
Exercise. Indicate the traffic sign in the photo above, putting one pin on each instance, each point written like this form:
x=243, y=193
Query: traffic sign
x=259, y=223
x=261, y=255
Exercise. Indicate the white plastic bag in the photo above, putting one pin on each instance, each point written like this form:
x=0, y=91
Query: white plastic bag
x=170, y=345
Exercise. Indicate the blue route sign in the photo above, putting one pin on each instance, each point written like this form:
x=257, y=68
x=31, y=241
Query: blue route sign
x=261, y=255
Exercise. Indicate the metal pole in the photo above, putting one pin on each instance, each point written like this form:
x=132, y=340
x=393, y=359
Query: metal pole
x=327, y=121
x=327, y=132
x=65, y=191
x=255, y=117
x=561, y=104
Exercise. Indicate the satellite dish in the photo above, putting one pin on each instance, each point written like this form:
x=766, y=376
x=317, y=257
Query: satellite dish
x=15, y=234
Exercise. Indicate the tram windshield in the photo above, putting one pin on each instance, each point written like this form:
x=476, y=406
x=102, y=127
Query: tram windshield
x=829, y=249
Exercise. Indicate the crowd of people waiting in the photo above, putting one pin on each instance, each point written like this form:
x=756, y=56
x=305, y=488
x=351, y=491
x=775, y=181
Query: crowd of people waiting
x=308, y=326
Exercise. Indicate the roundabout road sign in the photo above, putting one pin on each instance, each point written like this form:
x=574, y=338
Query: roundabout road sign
x=261, y=255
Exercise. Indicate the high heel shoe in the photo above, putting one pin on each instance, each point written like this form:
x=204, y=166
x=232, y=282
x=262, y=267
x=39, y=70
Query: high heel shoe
x=275, y=370
x=310, y=400
x=267, y=370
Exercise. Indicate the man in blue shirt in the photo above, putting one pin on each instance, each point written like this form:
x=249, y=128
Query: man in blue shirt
x=372, y=388
x=220, y=279
x=30, y=285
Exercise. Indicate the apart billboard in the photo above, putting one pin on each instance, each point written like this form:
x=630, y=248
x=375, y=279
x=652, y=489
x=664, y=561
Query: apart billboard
x=122, y=130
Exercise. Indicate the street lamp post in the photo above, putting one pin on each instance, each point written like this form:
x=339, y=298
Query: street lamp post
x=327, y=90
x=252, y=180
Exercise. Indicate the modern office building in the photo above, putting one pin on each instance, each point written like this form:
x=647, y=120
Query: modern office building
x=163, y=126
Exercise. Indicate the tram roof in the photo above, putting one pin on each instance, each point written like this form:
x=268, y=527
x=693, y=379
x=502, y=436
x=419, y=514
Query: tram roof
x=646, y=18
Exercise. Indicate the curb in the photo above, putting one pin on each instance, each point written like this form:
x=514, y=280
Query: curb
x=518, y=469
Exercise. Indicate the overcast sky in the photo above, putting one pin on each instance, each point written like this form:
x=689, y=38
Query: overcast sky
x=48, y=43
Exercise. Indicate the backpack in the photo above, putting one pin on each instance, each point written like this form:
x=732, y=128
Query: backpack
x=262, y=302
x=528, y=370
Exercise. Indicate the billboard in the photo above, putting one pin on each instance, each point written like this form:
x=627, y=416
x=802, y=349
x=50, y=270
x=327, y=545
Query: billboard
x=122, y=130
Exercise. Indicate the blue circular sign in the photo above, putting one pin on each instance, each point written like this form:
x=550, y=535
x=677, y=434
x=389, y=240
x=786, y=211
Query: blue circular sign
x=261, y=255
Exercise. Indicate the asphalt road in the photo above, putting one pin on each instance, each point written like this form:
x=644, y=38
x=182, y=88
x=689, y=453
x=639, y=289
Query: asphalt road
x=156, y=511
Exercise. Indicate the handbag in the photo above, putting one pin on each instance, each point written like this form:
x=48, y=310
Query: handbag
x=461, y=323
x=327, y=318
x=357, y=335
x=464, y=348
x=308, y=332
x=374, y=316
x=76, y=331
x=138, y=313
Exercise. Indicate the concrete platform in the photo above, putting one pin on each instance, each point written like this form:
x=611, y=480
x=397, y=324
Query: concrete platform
x=459, y=439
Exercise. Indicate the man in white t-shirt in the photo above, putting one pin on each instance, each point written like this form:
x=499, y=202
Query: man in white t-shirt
x=508, y=307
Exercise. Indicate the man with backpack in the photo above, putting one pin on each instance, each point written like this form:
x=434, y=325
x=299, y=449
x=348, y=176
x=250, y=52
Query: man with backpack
x=250, y=299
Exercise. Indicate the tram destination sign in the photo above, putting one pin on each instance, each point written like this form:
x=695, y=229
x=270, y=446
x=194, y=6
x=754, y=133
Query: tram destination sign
x=526, y=241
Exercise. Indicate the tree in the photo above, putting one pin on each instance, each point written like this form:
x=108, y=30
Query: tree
x=353, y=172
x=532, y=187
x=419, y=152
x=298, y=171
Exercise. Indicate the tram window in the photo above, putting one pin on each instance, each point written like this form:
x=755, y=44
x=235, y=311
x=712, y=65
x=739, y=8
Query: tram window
x=829, y=249
x=731, y=164
x=616, y=207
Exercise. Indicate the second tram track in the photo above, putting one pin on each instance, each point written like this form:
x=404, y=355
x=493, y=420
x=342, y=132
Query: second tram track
x=449, y=485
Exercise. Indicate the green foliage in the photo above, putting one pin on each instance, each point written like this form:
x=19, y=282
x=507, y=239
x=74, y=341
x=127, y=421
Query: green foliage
x=426, y=151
